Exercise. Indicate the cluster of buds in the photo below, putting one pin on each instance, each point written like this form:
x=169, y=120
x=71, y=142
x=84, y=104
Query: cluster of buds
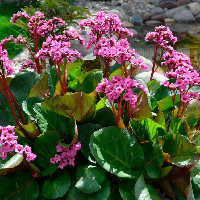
x=66, y=155
x=9, y=144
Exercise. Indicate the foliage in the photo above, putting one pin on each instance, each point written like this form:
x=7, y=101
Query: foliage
x=77, y=130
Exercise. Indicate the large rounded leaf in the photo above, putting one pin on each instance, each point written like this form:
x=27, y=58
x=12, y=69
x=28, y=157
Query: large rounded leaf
x=19, y=185
x=117, y=151
x=75, y=194
x=182, y=152
x=57, y=186
x=90, y=178
x=78, y=105
x=45, y=148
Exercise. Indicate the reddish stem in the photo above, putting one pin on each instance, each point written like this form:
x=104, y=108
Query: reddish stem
x=154, y=63
x=36, y=50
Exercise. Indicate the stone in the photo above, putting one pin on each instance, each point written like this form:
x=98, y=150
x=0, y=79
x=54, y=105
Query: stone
x=183, y=2
x=169, y=13
x=153, y=23
x=168, y=3
x=118, y=4
x=158, y=18
x=197, y=18
x=121, y=14
x=145, y=76
x=169, y=20
x=156, y=11
x=150, y=6
x=127, y=10
x=146, y=62
x=136, y=19
x=184, y=16
x=135, y=33
x=127, y=24
x=194, y=8
x=145, y=15
x=89, y=57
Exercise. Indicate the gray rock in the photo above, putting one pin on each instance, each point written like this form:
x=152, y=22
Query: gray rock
x=146, y=62
x=145, y=15
x=169, y=20
x=145, y=76
x=153, y=23
x=168, y=3
x=136, y=19
x=183, y=2
x=169, y=13
x=197, y=18
x=121, y=14
x=184, y=16
x=150, y=6
x=89, y=57
x=194, y=8
x=135, y=33
x=127, y=10
x=158, y=18
x=156, y=11
x=127, y=24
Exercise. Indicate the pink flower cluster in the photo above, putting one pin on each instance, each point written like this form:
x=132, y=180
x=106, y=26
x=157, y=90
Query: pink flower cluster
x=112, y=49
x=112, y=89
x=57, y=48
x=184, y=73
x=66, y=156
x=107, y=24
x=9, y=143
x=161, y=37
x=6, y=63
x=28, y=63
x=37, y=24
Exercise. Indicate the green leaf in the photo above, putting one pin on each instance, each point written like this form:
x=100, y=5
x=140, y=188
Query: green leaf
x=52, y=80
x=13, y=162
x=76, y=194
x=90, y=178
x=45, y=148
x=41, y=88
x=182, y=151
x=195, y=170
x=142, y=109
x=91, y=81
x=153, y=159
x=28, y=106
x=153, y=193
x=167, y=102
x=101, y=103
x=146, y=128
x=22, y=84
x=19, y=185
x=191, y=116
x=153, y=86
x=114, y=194
x=105, y=117
x=78, y=105
x=126, y=189
x=141, y=190
x=57, y=186
x=117, y=151
x=176, y=126
x=161, y=93
x=85, y=131
x=196, y=182
x=160, y=118
x=51, y=121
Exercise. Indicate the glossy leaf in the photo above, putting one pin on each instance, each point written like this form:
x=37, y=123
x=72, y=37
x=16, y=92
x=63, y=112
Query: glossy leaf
x=195, y=170
x=28, y=106
x=182, y=151
x=161, y=93
x=117, y=151
x=176, y=126
x=114, y=194
x=78, y=105
x=51, y=121
x=191, y=116
x=146, y=128
x=45, y=148
x=160, y=118
x=167, y=102
x=89, y=178
x=126, y=189
x=141, y=189
x=76, y=194
x=41, y=88
x=57, y=185
x=153, y=159
x=22, y=84
x=14, y=187
x=85, y=131
x=142, y=109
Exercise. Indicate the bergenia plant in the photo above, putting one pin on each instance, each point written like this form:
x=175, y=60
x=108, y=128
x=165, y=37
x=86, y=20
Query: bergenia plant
x=77, y=130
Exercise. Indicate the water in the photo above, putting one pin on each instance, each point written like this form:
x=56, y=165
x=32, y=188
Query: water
x=188, y=41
